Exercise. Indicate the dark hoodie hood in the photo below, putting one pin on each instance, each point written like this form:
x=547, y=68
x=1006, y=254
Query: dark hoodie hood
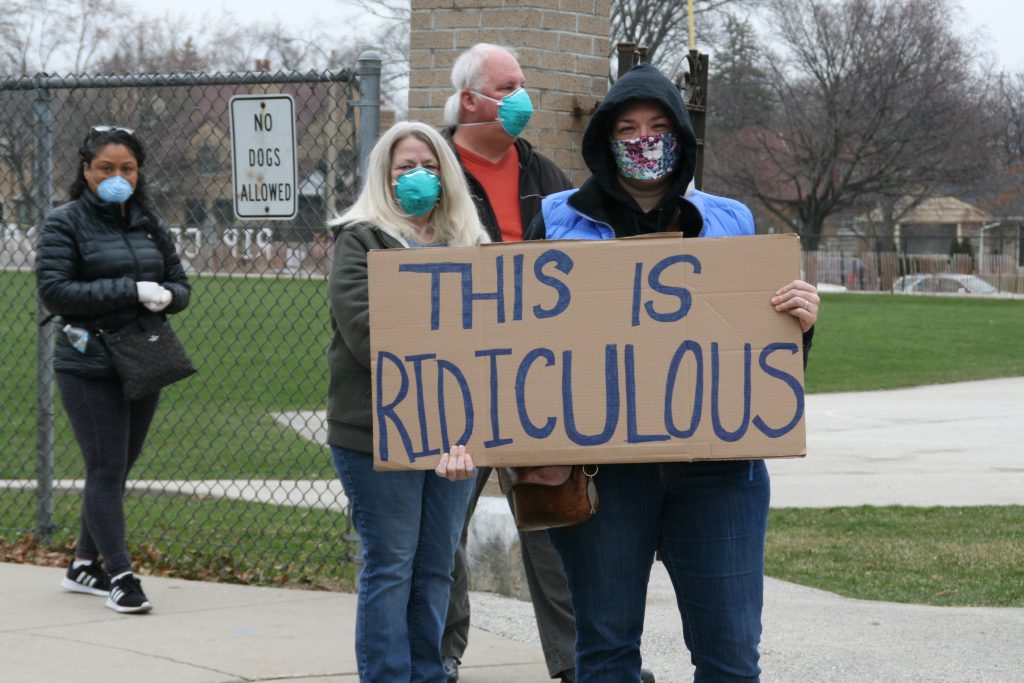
x=642, y=82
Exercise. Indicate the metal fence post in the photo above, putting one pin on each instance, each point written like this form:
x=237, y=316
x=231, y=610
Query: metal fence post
x=43, y=184
x=368, y=70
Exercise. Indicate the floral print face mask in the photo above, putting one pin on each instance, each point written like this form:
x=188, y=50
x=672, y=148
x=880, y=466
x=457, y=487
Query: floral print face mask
x=648, y=157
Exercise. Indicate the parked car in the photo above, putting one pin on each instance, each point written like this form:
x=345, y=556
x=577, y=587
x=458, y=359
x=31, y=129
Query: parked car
x=943, y=283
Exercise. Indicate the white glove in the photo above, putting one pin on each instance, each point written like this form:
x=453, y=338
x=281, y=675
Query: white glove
x=153, y=296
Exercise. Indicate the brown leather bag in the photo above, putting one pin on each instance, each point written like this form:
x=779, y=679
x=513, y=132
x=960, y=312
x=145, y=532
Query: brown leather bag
x=550, y=496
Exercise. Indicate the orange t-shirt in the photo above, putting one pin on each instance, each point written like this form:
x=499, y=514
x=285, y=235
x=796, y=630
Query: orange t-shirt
x=501, y=183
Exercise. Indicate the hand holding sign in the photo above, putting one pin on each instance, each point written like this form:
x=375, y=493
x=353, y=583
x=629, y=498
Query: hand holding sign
x=456, y=464
x=800, y=299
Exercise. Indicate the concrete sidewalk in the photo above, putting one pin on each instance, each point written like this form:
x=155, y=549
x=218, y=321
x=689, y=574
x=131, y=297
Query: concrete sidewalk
x=945, y=445
x=218, y=633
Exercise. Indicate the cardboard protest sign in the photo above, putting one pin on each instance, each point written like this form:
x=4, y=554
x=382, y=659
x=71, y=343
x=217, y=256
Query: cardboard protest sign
x=637, y=350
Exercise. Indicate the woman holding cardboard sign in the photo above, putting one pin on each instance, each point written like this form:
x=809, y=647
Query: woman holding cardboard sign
x=706, y=519
x=415, y=196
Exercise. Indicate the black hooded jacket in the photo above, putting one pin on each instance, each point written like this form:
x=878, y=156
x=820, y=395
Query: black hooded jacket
x=601, y=197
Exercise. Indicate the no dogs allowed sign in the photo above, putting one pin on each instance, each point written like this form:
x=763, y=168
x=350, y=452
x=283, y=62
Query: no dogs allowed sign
x=263, y=166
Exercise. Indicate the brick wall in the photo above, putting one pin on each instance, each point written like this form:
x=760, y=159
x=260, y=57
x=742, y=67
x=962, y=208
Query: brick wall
x=562, y=46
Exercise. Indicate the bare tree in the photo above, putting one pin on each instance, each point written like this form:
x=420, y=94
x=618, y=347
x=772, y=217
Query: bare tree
x=44, y=35
x=388, y=35
x=874, y=100
x=1011, y=112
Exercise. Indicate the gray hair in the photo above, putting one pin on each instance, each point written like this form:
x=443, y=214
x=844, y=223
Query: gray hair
x=467, y=74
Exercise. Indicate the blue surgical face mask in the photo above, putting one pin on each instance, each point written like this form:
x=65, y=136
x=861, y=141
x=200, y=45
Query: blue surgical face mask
x=514, y=111
x=417, y=190
x=114, y=190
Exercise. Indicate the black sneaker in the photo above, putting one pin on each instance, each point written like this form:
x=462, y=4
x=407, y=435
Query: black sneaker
x=87, y=578
x=126, y=596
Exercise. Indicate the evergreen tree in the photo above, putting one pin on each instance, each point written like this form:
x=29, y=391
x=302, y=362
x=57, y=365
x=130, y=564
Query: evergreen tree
x=738, y=83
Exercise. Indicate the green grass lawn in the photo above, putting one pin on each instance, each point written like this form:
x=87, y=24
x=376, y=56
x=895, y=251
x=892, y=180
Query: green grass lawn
x=260, y=345
x=931, y=556
x=869, y=342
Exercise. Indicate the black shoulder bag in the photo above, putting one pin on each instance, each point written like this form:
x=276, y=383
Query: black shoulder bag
x=147, y=356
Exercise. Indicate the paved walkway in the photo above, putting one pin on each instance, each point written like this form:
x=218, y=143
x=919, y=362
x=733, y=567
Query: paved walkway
x=952, y=444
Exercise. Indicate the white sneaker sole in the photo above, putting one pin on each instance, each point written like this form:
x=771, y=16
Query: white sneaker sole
x=144, y=607
x=69, y=585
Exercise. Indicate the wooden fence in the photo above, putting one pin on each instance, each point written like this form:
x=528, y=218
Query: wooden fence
x=879, y=271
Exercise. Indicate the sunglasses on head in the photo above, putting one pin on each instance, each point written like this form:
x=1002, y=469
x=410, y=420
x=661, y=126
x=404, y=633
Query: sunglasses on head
x=111, y=129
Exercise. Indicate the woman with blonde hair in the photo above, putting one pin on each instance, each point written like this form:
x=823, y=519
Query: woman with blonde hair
x=409, y=522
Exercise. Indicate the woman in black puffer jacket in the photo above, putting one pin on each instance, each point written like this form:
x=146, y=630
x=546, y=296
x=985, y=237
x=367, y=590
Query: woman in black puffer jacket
x=104, y=262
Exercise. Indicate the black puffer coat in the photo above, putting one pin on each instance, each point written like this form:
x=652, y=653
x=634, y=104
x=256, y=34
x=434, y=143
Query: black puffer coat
x=88, y=259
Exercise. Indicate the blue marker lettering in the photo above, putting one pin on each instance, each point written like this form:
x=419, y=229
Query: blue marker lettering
x=387, y=412
x=632, y=435
x=562, y=263
x=467, y=401
x=529, y=427
x=611, y=382
x=469, y=296
x=496, y=439
x=638, y=271
x=435, y=270
x=791, y=382
x=698, y=389
x=421, y=408
x=716, y=421
x=517, y=287
x=683, y=294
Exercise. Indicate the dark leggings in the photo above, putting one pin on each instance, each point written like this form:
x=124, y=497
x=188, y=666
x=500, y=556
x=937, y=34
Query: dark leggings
x=110, y=431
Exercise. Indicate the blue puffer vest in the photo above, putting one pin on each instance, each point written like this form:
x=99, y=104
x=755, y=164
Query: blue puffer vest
x=723, y=217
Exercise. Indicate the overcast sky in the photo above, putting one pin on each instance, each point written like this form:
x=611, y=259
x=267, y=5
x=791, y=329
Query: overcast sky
x=1002, y=20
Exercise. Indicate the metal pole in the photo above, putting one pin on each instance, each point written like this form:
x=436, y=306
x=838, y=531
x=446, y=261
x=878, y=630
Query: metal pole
x=696, y=96
x=43, y=184
x=368, y=71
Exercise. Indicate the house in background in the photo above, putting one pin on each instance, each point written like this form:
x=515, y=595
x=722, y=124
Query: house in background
x=936, y=224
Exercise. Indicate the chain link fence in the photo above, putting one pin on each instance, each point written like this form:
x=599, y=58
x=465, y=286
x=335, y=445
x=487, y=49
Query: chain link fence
x=234, y=481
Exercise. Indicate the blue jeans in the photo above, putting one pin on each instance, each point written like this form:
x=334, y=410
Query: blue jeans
x=409, y=523
x=708, y=520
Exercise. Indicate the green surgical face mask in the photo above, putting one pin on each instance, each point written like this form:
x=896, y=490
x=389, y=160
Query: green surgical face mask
x=514, y=111
x=417, y=190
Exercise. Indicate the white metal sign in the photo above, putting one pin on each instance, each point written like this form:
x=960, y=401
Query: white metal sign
x=263, y=165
